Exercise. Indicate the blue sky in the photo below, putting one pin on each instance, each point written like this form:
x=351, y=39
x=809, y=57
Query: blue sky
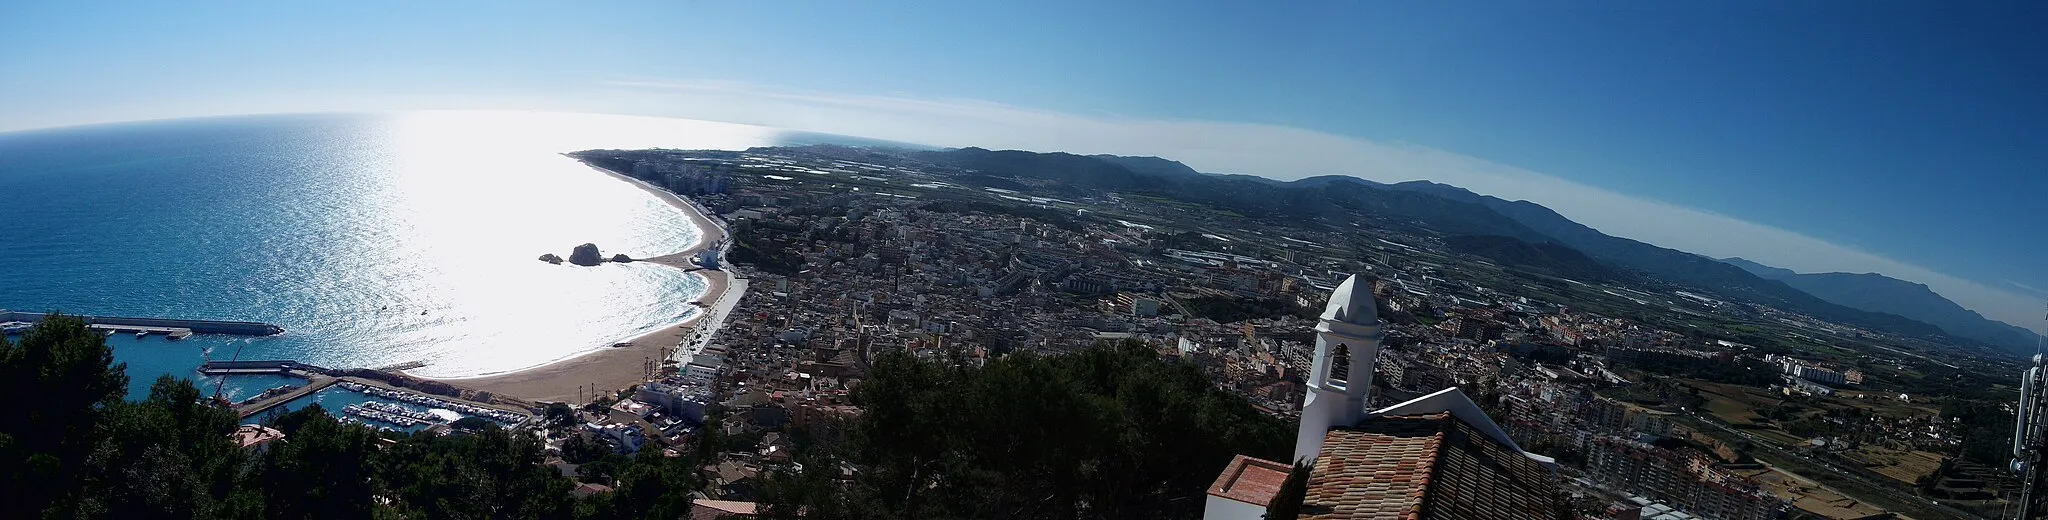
x=1898, y=138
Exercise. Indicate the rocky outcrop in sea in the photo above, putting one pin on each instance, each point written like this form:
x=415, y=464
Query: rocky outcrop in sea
x=585, y=255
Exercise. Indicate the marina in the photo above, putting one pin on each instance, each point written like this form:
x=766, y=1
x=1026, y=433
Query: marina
x=374, y=405
x=501, y=416
x=400, y=420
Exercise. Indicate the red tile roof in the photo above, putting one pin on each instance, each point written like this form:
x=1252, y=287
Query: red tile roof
x=250, y=435
x=1425, y=466
x=1250, y=480
x=1378, y=470
x=703, y=509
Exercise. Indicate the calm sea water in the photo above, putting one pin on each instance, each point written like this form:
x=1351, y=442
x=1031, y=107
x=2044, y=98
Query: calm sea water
x=372, y=239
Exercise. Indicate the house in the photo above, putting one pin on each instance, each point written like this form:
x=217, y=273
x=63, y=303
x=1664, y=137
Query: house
x=1245, y=488
x=704, y=509
x=255, y=437
x=586, y=489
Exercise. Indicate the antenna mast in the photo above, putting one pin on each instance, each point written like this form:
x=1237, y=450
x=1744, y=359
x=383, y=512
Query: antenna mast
x=2030, y=433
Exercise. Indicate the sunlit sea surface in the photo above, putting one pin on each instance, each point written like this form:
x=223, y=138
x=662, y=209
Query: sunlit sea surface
x=374, y=240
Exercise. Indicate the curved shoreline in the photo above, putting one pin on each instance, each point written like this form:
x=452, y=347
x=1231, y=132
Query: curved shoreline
x=571, y=378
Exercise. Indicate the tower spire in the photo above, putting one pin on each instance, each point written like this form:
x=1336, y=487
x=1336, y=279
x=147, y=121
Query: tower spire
x=1337, y=396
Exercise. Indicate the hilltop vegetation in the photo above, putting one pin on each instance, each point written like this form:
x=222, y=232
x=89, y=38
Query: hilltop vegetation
x=1108, y=432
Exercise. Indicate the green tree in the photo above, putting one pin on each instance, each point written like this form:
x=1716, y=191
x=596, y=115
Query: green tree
x=491, y=474
x=323, y=468
x=63, y=378
x=559, y=416
x=1286, y=504
x=652, y=486
x=164, y=457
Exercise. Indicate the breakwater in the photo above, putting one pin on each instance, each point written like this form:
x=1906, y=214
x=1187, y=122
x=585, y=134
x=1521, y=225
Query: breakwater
x=239, y=328
x=217, y=368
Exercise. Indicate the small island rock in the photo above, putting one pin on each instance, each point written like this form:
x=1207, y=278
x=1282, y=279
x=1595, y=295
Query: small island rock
x=621, y=258
x=585, y=255
x=551, y=258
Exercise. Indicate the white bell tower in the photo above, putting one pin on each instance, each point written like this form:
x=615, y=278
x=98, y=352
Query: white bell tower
x=1347, y=347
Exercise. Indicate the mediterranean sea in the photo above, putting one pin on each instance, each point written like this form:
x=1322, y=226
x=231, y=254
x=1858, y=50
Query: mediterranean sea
x=373, y=239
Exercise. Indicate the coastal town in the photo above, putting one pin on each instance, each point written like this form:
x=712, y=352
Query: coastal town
x=842, y=258
x=1650, y=401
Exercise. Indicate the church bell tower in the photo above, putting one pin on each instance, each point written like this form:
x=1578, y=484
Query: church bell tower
x=1347, y=347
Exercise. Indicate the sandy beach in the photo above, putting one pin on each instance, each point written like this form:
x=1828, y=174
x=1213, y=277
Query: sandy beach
x=613, y=368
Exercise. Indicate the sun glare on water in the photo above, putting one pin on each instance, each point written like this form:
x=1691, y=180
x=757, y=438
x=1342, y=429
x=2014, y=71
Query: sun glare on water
x=471, y=199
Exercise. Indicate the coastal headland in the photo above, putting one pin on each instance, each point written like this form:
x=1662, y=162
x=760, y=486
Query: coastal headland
x=608, y=369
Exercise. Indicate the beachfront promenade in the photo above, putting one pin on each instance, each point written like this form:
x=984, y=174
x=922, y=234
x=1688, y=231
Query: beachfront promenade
x=707, y=327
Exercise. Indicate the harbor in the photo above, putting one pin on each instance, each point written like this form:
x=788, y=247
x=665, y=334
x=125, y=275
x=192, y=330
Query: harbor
x=369, y=403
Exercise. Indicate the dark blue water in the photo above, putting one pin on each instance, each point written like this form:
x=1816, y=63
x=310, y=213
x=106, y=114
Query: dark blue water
x=372, y=239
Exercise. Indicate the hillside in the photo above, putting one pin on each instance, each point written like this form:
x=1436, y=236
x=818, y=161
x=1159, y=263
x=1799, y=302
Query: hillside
x=1339, y=200
x=1545, y=257
x=1878, y=293
x=1675, y=266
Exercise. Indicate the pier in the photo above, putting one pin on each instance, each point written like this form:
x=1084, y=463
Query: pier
x=176, y=329
x=172, y=332
x=314, y=384
x=236, y=368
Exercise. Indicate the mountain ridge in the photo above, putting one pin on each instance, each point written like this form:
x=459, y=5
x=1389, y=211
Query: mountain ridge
x=1674, y=265
x=1879, y=293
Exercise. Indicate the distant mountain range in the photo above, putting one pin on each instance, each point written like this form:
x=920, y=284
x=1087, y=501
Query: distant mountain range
x=1879, y=293
x=1332, y=200
x=1675, y=266
x=1485, y=223
x=1544, y=257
